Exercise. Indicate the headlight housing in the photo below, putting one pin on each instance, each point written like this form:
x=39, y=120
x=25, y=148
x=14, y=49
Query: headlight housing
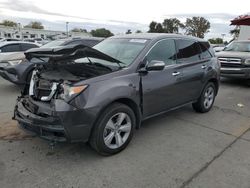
x=16, y=61
x=72, y=91
x=247, y=61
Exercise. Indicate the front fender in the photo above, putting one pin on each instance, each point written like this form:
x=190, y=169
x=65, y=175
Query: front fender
x=101, y=93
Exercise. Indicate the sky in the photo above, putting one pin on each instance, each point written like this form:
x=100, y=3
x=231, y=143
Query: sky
x=119, y=16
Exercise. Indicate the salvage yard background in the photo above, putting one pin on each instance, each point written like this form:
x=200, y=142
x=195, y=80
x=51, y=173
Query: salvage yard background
x=177, y=149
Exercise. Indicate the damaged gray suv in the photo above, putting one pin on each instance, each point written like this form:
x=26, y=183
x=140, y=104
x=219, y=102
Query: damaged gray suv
x=102, y=94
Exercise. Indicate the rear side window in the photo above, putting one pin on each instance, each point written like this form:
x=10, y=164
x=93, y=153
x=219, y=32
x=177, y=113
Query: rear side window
x=164, y=50
x=11, y=48
x=205, y=54
x=188, y=51
x=28, y=46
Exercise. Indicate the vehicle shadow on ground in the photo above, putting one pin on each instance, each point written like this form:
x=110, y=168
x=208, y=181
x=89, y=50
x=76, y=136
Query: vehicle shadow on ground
x=164, y=122
x=236, y=82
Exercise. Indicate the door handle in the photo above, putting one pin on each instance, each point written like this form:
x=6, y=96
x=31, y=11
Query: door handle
x=204, y=66
x=175, y=73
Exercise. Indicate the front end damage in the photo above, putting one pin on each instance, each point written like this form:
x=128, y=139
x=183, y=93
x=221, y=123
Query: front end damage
x=53, y=105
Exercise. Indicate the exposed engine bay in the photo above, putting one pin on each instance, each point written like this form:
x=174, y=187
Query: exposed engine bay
x=62, y=71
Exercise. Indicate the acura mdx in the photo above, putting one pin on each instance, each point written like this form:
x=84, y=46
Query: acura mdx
x=102, y=94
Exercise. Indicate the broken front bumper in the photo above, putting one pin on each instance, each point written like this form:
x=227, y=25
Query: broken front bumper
x=59, y=122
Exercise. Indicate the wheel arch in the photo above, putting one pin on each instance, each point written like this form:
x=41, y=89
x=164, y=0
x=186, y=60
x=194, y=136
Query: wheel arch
x=216, y=83
x=126, y=101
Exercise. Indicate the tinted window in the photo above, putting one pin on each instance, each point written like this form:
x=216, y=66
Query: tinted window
x=11, y=48
x=188, y=51
x=27, y=46
x=204, y=46
x=163, y=51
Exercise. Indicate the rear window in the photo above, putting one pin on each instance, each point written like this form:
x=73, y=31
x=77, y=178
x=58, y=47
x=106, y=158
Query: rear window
x=188, y=51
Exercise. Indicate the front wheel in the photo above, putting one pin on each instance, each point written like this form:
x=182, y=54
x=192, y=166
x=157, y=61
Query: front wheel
x=206, y=100
x=113, y=129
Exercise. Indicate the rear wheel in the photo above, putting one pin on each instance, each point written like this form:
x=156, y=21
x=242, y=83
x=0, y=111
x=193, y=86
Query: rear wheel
x=206, y=100
x=113, y=130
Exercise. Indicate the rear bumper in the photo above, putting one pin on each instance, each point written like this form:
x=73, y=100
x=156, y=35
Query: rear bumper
x=235, y=72
x=60, y=123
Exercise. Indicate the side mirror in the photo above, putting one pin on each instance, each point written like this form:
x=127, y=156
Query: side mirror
x=0, y=50
x=155, y=65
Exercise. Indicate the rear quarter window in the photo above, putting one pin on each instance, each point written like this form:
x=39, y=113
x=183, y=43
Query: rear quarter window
x=205, y=53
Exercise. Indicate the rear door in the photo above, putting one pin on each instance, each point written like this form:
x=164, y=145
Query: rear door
x=192, y=66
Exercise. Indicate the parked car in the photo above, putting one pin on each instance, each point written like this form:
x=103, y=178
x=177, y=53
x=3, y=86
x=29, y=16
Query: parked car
x=235, y=60
x=88, y=41
x=21, y=73
x=8, y=39
x=39, y=41
x=102, y=94
x=12, y=53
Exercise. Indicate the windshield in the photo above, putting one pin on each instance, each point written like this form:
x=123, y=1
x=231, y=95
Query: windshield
x=54, y=43
x=124, y=50
x=238, y=47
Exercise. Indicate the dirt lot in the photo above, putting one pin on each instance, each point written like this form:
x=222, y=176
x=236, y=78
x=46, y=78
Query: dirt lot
x=178, y=149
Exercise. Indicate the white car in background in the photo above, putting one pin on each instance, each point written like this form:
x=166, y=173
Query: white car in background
x=12, y=53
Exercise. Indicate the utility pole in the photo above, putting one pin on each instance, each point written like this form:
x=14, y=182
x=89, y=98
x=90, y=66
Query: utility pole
x=20, y=30
x=67, y=29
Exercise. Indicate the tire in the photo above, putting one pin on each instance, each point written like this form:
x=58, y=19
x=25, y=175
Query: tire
x=107, y=136
x=206, y=99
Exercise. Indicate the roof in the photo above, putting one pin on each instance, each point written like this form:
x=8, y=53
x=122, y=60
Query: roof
x=151, y=36
x=16, y=42
x=241, y=20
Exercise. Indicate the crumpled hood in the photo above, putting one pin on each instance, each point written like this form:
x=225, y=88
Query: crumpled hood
x=11, y=56
x=68, y=52
x=241, y=55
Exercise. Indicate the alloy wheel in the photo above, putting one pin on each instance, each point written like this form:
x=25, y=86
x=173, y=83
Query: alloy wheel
x=117, y=130
x=209, y=97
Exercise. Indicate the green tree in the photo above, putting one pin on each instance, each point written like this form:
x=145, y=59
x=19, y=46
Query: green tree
x=155, y=27
x=9, y=23
x=216, y=41
x=152, y=27
x=128, y=31
x=159, y=28
x=138, y=31
x=34, y=25
x=80, y=30
x=197, y=26
x=101, y=32
x=172, y=25
x=235, y=32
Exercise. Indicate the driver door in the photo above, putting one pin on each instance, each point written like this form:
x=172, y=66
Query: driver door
x=161, y=89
